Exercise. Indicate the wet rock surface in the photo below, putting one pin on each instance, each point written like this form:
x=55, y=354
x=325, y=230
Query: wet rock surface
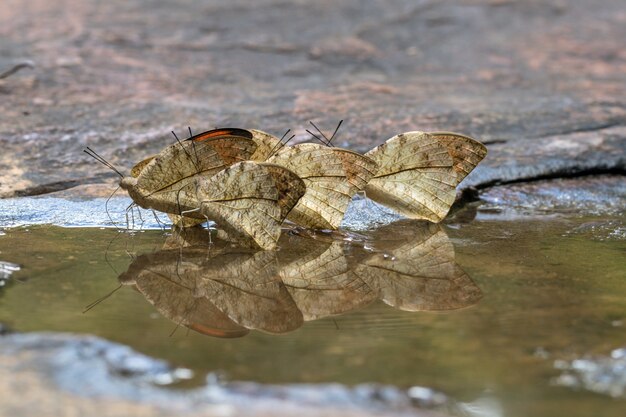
x=601, y=200
x=594, y=195
x=116, y=379
x=541, y=82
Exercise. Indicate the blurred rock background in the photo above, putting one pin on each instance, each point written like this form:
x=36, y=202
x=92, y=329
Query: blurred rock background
x=542, y=82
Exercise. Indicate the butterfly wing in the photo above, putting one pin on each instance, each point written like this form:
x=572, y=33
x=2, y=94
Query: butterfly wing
x=244, y=200
x=265, y=145
x=165, y=279
x=415, y=176
x=332, y=176
x=465, y=151
x=136, y=170
x=206, y=154
x=290, y=188
x=162, y=180
x=419, y=274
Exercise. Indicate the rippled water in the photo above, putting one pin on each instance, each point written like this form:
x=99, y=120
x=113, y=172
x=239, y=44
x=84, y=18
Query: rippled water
x=479, y=308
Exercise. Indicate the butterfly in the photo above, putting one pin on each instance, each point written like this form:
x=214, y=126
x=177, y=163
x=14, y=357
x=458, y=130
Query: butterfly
x=249, y=201
x=264, y=144
x=155, y=181
x=196, y=177
x=466, y=152
x=332, y=177
x=418, y=172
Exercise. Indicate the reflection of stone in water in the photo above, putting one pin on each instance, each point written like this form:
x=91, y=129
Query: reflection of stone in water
x=420, y=274
x=604, y=375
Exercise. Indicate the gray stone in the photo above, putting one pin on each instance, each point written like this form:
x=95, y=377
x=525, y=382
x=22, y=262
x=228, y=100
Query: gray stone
x=73, y=373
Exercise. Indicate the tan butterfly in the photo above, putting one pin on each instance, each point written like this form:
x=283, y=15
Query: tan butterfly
x=249, y=201
x=418, y=172
x=466, y=152
x=264, y=145
x=332, y=177
x=155, y=182
x=197, y=177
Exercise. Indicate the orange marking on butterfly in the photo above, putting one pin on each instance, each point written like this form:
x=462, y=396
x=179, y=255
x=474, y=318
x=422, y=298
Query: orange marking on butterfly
x=221, y=132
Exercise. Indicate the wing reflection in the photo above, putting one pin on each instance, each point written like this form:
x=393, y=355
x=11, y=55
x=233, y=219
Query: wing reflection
x=322, y=283
x=416, y=271
x=223, y=291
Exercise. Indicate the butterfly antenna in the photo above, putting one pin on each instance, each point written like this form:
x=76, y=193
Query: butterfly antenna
x=101, y=299
x=185, y=150
x=335, y=132
x=286, y=142
x=195, y=152
x=317, y=137
x=320, y=132
x=103, y=161
x=277, y=146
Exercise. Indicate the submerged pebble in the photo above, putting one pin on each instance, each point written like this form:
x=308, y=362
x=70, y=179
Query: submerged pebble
x=6, y=270
x=604, y=375
x=115, y=371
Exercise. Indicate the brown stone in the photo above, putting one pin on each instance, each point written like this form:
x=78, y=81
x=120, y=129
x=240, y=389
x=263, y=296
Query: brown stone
x=542, y=83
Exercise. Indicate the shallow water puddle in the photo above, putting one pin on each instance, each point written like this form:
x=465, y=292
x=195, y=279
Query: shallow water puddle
x=479, y=309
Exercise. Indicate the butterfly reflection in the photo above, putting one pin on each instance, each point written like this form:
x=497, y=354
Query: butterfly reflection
x=224, y=291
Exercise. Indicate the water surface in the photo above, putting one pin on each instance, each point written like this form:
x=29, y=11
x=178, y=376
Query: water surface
x=477, y=308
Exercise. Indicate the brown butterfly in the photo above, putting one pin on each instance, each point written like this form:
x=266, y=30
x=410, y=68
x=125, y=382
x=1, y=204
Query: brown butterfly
x=332, y=177
x=194, y=177
x=264, y=143
x=155, y=182
x=418, y=172
x=249, y=201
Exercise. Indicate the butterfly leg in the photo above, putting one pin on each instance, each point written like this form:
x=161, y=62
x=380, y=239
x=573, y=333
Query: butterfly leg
x=130, y=216
x=140, y=218
x=208, y=228
x=106, y=208
x=127, y=220
x=159, y=222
